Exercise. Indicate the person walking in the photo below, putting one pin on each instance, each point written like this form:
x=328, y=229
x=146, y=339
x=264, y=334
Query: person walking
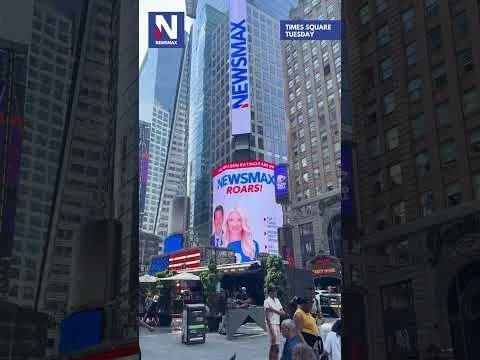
x=306, y=324
x=289, y=332
x=333, y=343
x=273, y=311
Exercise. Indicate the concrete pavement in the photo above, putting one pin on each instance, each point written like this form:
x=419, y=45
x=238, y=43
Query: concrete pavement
x=250, y=343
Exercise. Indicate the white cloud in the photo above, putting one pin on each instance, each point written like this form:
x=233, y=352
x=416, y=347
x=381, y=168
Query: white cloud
x=146, y=6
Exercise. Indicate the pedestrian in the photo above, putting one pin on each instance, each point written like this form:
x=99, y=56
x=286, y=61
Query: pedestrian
x=303, y=352
x=289, y=332
x=316, y=308
x=306, y=324
x=333, y=343
x=273, y=311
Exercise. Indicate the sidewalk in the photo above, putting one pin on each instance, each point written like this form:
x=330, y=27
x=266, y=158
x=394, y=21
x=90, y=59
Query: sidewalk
x=250, y=343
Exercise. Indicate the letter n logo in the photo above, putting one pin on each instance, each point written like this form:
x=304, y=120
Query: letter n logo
x=166, y=30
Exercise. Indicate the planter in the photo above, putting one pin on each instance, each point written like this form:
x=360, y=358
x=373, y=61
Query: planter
x=213, y=322
x=164, y=319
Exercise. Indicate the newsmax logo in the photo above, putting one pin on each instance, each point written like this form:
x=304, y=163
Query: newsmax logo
x=166, y=30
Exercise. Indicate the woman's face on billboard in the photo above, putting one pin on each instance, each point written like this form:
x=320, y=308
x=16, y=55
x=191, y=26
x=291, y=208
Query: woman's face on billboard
x=234, y=224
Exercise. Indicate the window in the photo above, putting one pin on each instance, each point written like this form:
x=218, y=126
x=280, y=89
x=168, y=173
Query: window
x=383, y=36
x=476, y=186
x=391, y=138
x=373, y=146
x=305, y=177
x=386, y=69
x=422, y=164
x=415, y=90
x=461, y=25
x=439, y=77
x=411, y=53
x=435, y=37
x=465, y=60
x=381, y=5
x=426, y=203
x=325, y=153
x=395, y=173
x=475, y=141
x=301, y=133
x=418, y=125
x=364, y=14
x=454, y=195
x=471, y=102
x=408, y=20
x=398, y=213
x=304, y=162
x=432, y=7
x=388, y=103
x=377, y=181
x=447, y=152
x=441, y=115
x=302, y=147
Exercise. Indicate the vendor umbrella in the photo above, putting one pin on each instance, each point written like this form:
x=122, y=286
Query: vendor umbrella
x=185, y=276
x=147, y=279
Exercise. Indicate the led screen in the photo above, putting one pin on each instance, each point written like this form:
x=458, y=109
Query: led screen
x=245, y=216
x=173, y=243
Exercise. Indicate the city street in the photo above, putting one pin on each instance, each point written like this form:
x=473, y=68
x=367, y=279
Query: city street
x=250, y=344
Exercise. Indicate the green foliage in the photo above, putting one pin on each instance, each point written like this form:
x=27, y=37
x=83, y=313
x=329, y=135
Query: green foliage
x=210, y=279
x=164, y=288
x=276, y=276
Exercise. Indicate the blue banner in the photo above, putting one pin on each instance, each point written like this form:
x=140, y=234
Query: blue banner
x=310, y=30
x=281, y=181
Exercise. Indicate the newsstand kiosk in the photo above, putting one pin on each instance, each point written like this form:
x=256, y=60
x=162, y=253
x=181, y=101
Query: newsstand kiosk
x=193, y=324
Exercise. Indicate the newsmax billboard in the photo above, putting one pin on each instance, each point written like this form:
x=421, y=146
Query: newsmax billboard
x=245, y=216
x=239, y=75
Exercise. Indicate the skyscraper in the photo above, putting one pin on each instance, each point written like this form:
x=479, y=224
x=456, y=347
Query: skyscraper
x=98, y=176
x=158, y=86
x=209, y=137
x=174, y=182
x=312, y=70
x=416, y=105
x=143, y=156
x=49, y=76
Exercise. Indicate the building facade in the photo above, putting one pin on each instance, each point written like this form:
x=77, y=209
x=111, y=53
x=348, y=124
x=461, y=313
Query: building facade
x=213, y=127
x=175, y=180
x=313, y=73
x=415, y=103
x=143, y=156
x=49, y=75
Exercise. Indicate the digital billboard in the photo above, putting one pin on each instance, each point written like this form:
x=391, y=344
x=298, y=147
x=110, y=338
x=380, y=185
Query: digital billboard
x=173, y=243
x=281, y=183
x=245, y=216
x=239, y=77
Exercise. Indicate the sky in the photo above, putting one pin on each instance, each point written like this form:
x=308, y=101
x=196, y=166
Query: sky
x=146, y=6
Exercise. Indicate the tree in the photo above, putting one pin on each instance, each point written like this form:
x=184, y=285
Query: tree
x=164, y=288
x=210, y=279
x=276, y=277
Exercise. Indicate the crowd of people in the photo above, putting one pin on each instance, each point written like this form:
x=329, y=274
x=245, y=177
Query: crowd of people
x=302, y=334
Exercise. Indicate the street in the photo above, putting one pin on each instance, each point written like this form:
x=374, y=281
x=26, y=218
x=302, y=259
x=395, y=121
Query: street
x=250, y=343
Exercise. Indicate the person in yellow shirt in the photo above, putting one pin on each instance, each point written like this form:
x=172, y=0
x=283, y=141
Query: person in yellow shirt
x=306, y=324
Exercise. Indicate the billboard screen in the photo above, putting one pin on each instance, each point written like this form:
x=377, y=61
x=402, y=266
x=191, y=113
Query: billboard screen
x=173, y=243
x=245, y=216
x=281, y=183
x=239, y=87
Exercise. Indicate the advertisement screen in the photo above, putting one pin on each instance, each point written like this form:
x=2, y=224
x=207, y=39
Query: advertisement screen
x=281, y=183
x=173, y=243
x=245, y=216
x=239, y=89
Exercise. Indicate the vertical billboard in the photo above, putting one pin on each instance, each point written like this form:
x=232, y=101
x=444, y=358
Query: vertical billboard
x=245, y=216
x=281, y=183
x=239, y=77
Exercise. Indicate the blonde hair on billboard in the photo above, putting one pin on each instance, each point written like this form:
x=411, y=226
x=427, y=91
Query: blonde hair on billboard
x=248, y=245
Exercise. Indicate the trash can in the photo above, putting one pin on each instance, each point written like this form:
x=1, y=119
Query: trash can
x=193, y=324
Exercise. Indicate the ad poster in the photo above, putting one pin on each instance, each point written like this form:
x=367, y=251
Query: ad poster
x=245, y=216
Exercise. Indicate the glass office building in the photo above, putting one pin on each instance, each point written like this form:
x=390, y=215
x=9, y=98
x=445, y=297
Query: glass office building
x=210, y=139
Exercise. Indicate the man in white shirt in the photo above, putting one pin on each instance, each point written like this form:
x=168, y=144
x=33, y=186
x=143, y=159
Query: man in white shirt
x=273, y=311
x=333, y=343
